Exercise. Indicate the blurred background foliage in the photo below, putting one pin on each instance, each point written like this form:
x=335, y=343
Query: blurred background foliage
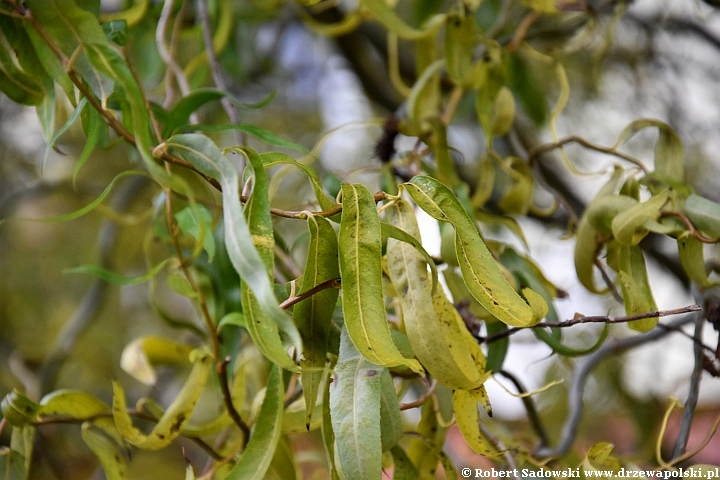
x=624, y=60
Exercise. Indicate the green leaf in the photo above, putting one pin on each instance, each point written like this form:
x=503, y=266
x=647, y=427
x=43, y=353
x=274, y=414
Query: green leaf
x=18, y=409
x=636, y=287
x=197, y=222
x=116, y=278
x=390, y=419
x=17, y=84
x=480, y=272
x=516, y=200
x=360, y=269
x=465, y=404
x=355, y=412
x=12, y=465
x=271, y=159
x=74, y=116
x=328, y=436
x=233, y=318
x=423, y=101
x=669, y=150
x=628, y=226
x=106, y=450
x=131, y=15
x=116, y=32
x=588, y=241
x=390, y=231
x=461, y=38
x=94, y=129
x=258, y=454
x=404, y=469
x=382, y=12
x=250, y=250
x=704, y=214
x=170, y=425
x=692, y=258
x=258, y=132
x=313, y=316
x=140, y=355
x=602, y=211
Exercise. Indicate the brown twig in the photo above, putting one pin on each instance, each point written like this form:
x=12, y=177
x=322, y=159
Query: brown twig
x=690, y=227
x=332, y=283
x=421, y=400
x=522, y=30
x=608, y=281
x=593, y=319
x=529, y=403
x=221, y=368
x=68, y=420
x=547, y=147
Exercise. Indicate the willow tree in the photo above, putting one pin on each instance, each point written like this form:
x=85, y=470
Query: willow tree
x=318, y=313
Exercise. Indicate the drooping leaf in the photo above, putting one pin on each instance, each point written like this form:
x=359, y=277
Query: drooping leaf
x=258, y=454
x=692, y=258
x=355, y=412
x=480, y=272
x=465, y=404
x=313, y=316
x=131, y=15
x=140, y=355
x=198, y=223
x=517, y=199
x=12, y=465
x=704, y=214
x=106, y=450
x=270, y=159
x=18, y=409
x=404, y=469
x=431, y=322
x=460, y=42
x=17, y=84
x=432, y=438
x=94, y=128
x=265, y=135
x=636, y=290
x=628, y=226
x=251, y=252
x=170, y=425
x=361, y=273
x=116, y=278
x=390, y=419
x=74, y=116
x=382, y=12
x=669, y=150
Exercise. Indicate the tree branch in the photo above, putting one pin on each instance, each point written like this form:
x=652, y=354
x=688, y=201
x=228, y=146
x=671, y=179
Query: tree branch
x=583, y=372
x=593, y=319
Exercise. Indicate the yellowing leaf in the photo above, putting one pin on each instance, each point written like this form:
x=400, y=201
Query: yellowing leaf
x=433, y=326
x=465, y=404
x=381, y=12
x=360, y=269
x=140, y=355
x=176, y=416
x=481, y=274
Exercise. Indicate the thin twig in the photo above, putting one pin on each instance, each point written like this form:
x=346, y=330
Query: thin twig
x=332, y=283
x=547, y=147
x=227, y=399
x=421, y=400
x=608, y=281
x=593, y=319
x=694, y=393
x=215, y=68
x=167, y=57
x=69, y=420
x=690, y=227
x=529, y=403
x=582, y=374
x=522, y=30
